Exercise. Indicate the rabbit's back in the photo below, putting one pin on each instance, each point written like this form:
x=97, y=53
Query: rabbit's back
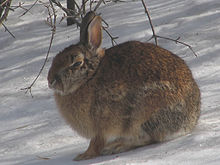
x=142, y=84
x=135, y=62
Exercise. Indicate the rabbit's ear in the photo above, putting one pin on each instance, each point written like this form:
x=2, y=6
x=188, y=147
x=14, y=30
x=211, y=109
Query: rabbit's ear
x=91, y=31
x=84, y=27
x=95, y=33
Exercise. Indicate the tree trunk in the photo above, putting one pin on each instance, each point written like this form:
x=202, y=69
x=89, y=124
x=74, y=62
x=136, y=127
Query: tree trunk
x=71, y=6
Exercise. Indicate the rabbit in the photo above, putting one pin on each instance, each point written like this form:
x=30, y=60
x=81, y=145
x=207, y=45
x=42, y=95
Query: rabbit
x=130, y=95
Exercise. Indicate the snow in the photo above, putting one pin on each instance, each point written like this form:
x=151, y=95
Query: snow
x=31, y=130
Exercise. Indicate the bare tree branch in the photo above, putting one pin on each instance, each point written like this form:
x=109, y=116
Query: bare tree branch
x=77, y=5
x=4, y=9
x=151, y=24
x=48, y=52
x=177, y=41
x=112, y=38
x=6, y=29
x=98, y=4
x=29, y=8
x=167, y=38
x=83, y=6
x=6, y=1
x=20, y=5
x=67, y=11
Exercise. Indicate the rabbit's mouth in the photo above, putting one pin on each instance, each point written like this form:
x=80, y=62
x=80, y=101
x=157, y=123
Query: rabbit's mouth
x=56, y=86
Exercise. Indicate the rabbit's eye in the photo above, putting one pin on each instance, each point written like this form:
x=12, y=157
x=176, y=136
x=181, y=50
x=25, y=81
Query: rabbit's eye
x=77, y=63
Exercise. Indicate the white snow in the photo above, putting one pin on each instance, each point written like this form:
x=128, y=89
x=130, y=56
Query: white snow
x=31, y=130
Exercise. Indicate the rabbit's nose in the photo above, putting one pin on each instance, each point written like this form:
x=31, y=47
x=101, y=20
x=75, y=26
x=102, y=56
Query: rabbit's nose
x=52, y=81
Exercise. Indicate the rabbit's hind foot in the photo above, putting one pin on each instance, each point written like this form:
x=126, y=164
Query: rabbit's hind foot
x=123, y=144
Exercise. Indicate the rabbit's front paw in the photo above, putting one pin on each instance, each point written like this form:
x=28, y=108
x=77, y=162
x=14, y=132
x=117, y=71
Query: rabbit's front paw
x=115, y=147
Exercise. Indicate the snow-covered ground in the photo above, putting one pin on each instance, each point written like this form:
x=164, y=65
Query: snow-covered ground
x=31, y=129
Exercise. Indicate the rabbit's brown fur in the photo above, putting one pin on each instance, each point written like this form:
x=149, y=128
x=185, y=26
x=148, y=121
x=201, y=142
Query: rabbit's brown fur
x=132, y=95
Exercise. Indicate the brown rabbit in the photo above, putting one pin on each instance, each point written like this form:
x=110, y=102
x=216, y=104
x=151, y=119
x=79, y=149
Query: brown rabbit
x=124, y=97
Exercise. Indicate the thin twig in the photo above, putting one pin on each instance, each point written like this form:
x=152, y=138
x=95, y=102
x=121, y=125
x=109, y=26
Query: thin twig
x=90, y=5
x=98, y=4
x=5, y=9
x=8, y=30
x=29, y=8
x=58, y=4
x=107, y=25
x=49, y=20
x=177, y=41
x=77, y=6
x=112, y=38
x=151, y=24
x=48, y=52
x=167, y=38
x=20, y=6
x=3, y=3
x=67, y=11
x=83, y=6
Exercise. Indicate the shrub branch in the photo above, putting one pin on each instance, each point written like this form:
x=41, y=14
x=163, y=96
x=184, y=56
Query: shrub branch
x=166, y=38
x=53, y=24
